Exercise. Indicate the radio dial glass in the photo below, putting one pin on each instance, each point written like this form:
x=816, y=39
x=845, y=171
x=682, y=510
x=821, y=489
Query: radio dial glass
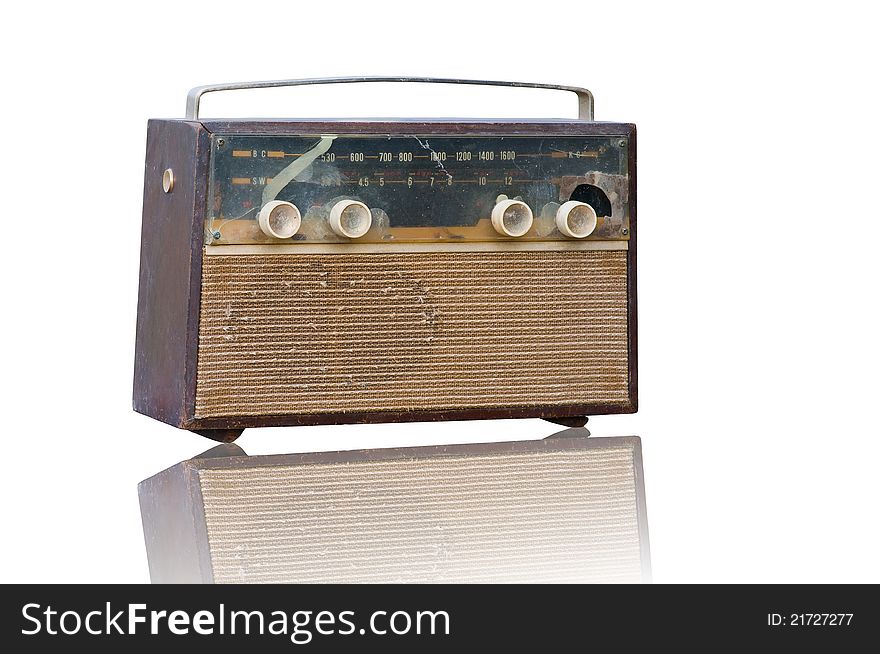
x=418, y=189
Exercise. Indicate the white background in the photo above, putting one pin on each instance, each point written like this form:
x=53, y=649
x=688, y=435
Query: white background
x=758, y=228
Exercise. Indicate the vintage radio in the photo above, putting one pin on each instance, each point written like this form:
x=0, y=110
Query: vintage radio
x=339, y=271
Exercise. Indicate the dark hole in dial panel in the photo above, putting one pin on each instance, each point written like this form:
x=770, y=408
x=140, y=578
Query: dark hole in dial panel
x=595, y=197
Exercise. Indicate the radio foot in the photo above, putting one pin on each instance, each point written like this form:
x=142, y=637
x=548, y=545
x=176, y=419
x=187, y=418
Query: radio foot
x=222, y=435
x=573, y=421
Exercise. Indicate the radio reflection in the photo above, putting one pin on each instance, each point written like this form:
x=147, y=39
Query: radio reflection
x=567, y=508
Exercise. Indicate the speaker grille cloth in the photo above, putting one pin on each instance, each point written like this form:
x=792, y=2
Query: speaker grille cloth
x=551, y=517
x=327, y=333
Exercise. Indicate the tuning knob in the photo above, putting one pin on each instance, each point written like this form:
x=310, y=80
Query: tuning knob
x=576, y=219
x=279, y=219
x=511, y=217
x=350, y=218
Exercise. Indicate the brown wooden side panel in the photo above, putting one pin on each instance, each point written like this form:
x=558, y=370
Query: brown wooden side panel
x=632, y=286
x=171, y=242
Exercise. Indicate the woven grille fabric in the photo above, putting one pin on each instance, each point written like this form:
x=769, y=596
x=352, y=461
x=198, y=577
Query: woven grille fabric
x=284, y=334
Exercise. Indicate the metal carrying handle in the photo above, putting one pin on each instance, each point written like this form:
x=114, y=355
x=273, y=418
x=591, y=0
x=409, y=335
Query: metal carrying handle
x=585, y=98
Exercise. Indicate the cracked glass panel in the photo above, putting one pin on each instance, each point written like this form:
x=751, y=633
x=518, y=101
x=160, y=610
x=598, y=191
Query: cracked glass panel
x=372, y=189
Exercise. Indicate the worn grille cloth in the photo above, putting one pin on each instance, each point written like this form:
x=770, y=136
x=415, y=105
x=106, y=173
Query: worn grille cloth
x=325, y=333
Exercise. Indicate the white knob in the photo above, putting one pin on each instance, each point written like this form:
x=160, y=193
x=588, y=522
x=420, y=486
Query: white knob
x=512, y=217
x=350, y=218
x=279, y=219
x=576, y=219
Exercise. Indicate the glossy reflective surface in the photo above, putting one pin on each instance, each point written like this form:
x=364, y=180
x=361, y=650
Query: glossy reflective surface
x=567, y=508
